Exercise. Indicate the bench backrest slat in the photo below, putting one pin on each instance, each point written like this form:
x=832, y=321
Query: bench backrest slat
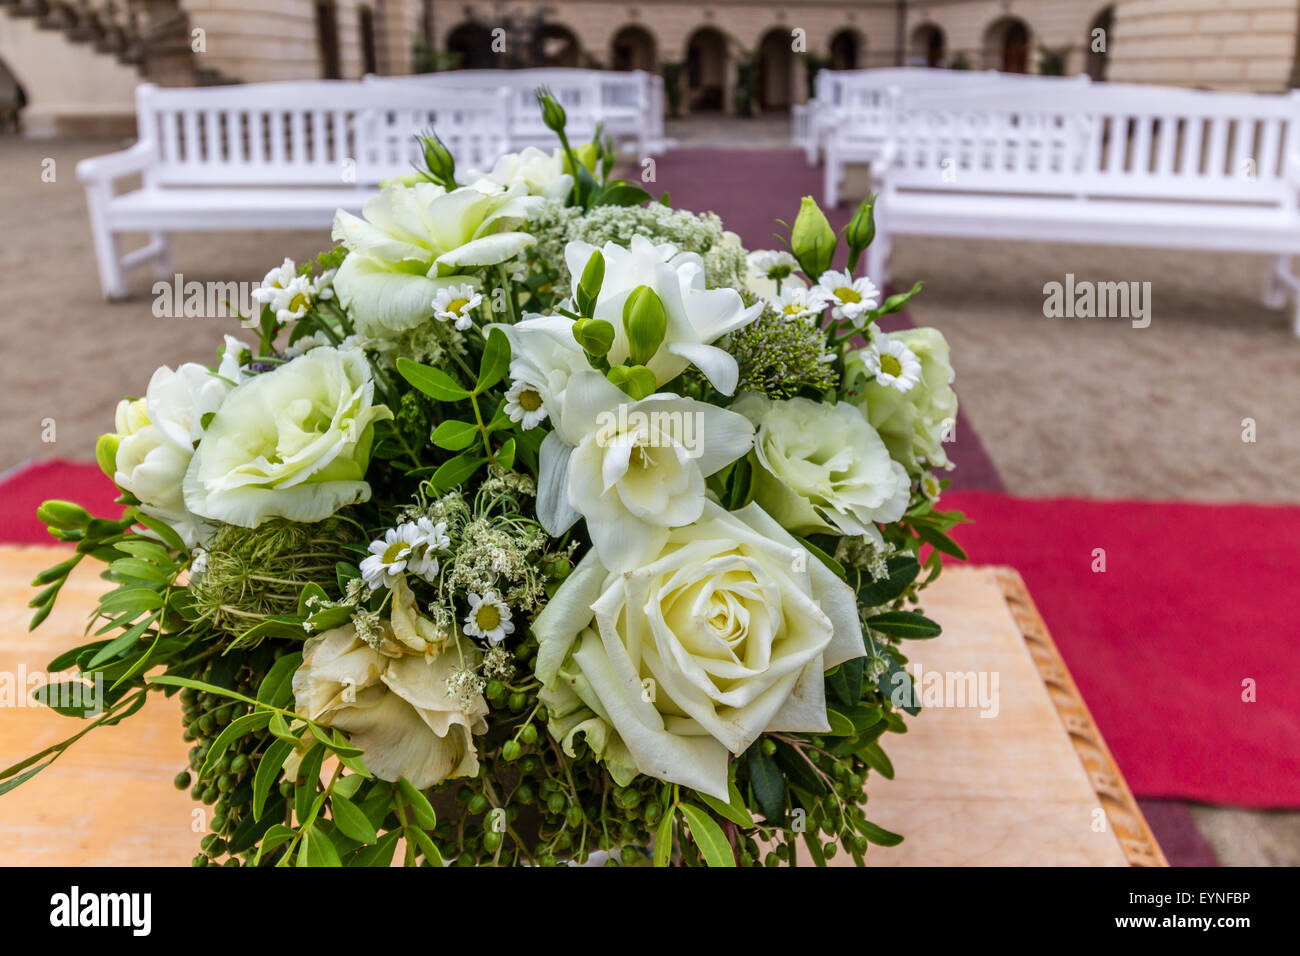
x=325, y=133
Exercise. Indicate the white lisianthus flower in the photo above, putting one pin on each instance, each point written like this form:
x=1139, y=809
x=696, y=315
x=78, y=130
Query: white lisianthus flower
x=396, y=707
x=851, y=298
x=541, y=173
x=524, y=403
x=292, y=443
x=697, y=316
x=488, y=618
x=822, y=468
x=796, y=302
x=389, y=556
x=455, y=304
x=415, y=240
x=639, y=468
x=722, y=634
x=916, y=423
x=892, y=363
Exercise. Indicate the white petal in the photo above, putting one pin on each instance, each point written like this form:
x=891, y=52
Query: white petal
x=718, y=366
x=553, y=510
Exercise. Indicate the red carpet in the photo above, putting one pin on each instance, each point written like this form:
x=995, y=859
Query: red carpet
x=1195, y=599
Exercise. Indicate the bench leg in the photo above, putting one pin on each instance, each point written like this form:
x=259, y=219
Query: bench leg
x=163, y=266
x=831, y=180
x=1276, y=290
x=878, y=259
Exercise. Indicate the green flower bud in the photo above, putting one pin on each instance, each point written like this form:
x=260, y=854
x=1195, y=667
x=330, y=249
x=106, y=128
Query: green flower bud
x=596, y=336
x=812, y=240
x=636, y=380
x=593, y=277
x=63, y=515
x=106, y=453
x=437, y=159
x=861, y=230
x=645, y=322
x=552, y=112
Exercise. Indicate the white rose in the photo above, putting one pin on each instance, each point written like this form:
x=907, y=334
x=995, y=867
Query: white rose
x=396, y=707
x=541, y=173
x=293, y=442
x=697, y=316
x=724, y=634
x=822, y=468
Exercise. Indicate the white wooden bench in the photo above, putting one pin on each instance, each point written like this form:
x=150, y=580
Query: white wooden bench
x=270, y=156
x=629, y=104
x=1101, y=163
x=847, y=121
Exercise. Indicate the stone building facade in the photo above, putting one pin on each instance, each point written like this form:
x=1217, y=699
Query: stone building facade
x=80, y=59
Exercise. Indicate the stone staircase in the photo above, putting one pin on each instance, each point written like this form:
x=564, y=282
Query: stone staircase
x=152, y=36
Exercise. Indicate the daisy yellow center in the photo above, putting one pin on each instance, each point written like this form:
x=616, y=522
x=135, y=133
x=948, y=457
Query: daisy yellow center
x=456, y=306
x=845, y=294
x=794, y=308
x=529, y=400
x=890, y=365
x=487, y=617
x=396, y=552
x=299, y=302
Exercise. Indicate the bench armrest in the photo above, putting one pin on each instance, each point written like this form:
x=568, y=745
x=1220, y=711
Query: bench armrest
x=881, y=165
x=105, y=169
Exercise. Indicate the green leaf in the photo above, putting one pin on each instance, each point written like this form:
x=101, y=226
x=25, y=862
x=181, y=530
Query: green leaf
x=622, y=193
x=893, y=681
x=841, y=726
x=130, y=601
x=138, y=569
x=431, y=381
x=239, y=727
x=708, y=836
x=308, y=781
x=162, y=529
x=812, y=838
x=939, y=541
x=906, y=624
x=119, y=644
x=381, y=854
x=664, y=837
x=343, y=573
x=276, y=835
x=350, y=820
x=505, y=456
x=876, y=759
x=455, y=436
x=276, y=688
x=74, y=698
x=426, y=845
x=768, y=784
x=822, y=556
x=735, y=811
x=316, y=849
x=878, y=835
x=894, y=303
x=495, y=363
x=903, y=570
x=268, y=771
x=419, y=804
x=453, y=473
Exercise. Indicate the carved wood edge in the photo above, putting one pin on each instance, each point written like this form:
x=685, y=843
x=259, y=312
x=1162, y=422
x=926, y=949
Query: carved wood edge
x=1126, y=820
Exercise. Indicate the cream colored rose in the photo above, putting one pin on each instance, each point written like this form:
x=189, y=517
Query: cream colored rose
x=822, y=468
x=394, y=705
x=723, y=634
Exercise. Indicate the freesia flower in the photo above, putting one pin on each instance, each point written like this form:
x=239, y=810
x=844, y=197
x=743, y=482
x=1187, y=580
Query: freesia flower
x=822, y=468
x=395, y=706
x=293, y=443
x=697, y=316
x=850, y=298
x=488, y=618
x=892, y=363
x=416, y=240
x=455, y=304
x=716, y=637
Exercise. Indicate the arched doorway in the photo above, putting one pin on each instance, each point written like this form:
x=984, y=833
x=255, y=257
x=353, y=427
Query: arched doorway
x=775, y=80
x=471, y=47
x=929, y=46
x=1006, y=46
x=706, y=70
x=1098, y=43
x=846, y=51
x=560, y=47
x=12, y=100
x=633, y=48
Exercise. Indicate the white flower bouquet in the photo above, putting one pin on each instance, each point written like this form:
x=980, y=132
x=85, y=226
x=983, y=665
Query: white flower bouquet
x=540, y=521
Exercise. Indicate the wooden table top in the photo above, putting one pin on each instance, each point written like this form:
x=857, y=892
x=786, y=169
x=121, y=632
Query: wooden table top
x=1032, y=785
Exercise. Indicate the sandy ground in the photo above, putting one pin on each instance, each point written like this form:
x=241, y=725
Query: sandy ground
x=1087, y=407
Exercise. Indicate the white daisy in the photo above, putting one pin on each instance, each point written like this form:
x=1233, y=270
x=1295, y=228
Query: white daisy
x=852, y=298
x=455, y=303
x=389, y=557
x=892, y=363
x=524, y=404
x=488, y=618
x=930, y=486
x=430, y=541
x=799, y=303
x=289, y=295
x=773, y=263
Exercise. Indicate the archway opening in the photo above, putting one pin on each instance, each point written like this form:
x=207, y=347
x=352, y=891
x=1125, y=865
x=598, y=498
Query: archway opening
x=776, y=72
x=1098, y=43
x=560, y=47
x=470, y=46
x=706, y=70
x=327, y=40
x=12, y=100
x=929, y=47
x=633, y=48
x=846, y=51
x=1006, y=46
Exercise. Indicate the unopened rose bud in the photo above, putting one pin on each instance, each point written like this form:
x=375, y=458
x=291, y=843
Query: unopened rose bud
x=645, y=323
x=438, y=159
x=812, y=240
x=861, y=230
x=552, y=112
